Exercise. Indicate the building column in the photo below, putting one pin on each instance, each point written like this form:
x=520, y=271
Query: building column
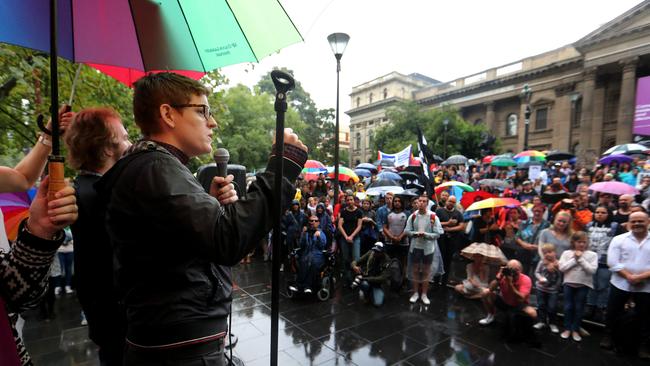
x=591, y=132
x=490, y=117
x=521, y=125
x=625, y=117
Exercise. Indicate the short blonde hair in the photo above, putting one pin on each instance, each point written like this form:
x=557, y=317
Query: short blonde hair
x=548, y=247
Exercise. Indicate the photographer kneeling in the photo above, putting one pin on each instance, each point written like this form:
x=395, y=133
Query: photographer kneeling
x=509, y=293
x=372, y=274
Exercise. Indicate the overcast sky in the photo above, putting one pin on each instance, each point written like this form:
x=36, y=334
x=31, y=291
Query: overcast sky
x=442, y=39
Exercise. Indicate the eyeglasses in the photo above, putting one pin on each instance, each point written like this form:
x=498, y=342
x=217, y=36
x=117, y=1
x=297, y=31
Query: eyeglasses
x=313, y=220
x=207, y=113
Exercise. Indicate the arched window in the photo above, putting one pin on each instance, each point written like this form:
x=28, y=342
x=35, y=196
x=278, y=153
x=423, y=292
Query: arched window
x=385, y=93
x=511, y=125
x=358, y=142
x=370, y=98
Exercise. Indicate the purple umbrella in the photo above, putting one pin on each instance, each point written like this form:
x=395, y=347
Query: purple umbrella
x=618, y=158
x=615, y=188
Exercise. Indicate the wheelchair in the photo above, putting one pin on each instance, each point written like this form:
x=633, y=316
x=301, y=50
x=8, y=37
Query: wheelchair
x=324, y=283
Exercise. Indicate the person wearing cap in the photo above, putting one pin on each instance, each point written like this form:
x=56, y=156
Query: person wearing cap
x=372, y=274
x=525, y=196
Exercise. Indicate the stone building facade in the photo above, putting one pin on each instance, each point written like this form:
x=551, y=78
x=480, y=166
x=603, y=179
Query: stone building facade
x=582, y=100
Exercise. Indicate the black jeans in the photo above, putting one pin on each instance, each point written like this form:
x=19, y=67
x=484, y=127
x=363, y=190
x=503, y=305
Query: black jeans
x=616, y=306
x=205, y=354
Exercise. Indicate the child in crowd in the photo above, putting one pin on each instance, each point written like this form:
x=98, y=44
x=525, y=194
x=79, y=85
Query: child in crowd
x=578, y=266
x=548, y=278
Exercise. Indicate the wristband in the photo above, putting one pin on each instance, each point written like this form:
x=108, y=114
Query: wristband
x=45, y=141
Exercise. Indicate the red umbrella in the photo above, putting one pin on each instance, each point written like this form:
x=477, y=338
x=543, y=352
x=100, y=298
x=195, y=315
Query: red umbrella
x=471, y=197
x=128, y=76
x=487, y=159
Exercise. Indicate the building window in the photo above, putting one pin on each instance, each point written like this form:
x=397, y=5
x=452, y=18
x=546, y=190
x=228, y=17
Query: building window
x=371, y=138
x=358, y=102
x=358, y=142
x=370, y=98
x=541, y=118
x=511, y=125
x=385, y=93
x=577, y=113
x=478, y=121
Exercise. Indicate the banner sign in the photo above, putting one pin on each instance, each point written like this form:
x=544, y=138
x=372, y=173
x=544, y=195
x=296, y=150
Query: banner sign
x=399, y=159
x=642, y=111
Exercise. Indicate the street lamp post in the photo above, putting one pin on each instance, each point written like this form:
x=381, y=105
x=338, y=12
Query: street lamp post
x=526, y=93
x=338, y=42
x=445, y=123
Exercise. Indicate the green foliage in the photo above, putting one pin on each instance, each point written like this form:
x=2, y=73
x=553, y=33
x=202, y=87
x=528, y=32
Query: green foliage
x=462, y=137
x=247, y=126
x=318, y=134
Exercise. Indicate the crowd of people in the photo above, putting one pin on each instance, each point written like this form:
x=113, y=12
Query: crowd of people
x=132, y=205
x=563, y=243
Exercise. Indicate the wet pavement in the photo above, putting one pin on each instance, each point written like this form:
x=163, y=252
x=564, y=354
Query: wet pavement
x=342, y=331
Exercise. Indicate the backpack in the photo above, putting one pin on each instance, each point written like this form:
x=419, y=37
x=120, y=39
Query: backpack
x=396, y=276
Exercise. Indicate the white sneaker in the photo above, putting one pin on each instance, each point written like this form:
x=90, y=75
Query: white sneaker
x=68, y=290
x=293, y=288
x=539, y=325
x=425, y=299
x=282, y=267
x=57, y=290
x=308, y=291
x=565, y=334
x=414, y=297
x=554, y=329
x=487, y=320
x=84, y=321
x=576, y=337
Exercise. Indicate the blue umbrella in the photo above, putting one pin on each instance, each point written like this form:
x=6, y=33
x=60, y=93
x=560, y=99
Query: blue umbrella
x=389, y=176
x=366, y=166
x=363, y=172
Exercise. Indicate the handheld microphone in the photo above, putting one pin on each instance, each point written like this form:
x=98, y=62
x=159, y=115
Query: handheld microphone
x=221, y=157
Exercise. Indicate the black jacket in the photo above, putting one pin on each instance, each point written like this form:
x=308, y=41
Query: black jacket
x=173, y=242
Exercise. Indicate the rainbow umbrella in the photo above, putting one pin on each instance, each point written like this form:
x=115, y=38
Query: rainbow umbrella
x=345, y=174
x=493, y=203
x=453, y=183
x=471, y=197
x=312, y=169
x=536, y=155
x=15, y=208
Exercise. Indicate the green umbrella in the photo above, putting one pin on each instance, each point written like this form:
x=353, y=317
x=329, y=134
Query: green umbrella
x=503, y=161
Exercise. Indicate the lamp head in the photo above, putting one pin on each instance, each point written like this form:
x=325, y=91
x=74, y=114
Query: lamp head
x=338, y=42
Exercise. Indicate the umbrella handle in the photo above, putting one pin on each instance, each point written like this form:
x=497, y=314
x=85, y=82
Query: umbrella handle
x=57, y=177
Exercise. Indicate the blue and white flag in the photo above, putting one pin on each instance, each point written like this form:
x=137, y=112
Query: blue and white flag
x=401, y=158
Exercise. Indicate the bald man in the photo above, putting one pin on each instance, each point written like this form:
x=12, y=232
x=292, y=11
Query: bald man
x=628, y=257
x=622, y=215
x=513, y=290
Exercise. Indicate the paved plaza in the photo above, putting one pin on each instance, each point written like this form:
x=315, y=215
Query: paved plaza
x=342, y=331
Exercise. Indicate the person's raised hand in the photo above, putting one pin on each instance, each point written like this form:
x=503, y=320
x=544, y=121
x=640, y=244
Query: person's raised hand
x=291, y=138
x=47, y=218
x=65, y=118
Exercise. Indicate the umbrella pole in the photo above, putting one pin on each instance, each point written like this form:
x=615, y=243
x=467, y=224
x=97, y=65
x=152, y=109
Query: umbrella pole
x=283, y=83
x=55, y=166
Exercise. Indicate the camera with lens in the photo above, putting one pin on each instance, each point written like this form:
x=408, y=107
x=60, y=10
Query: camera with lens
x=356, y=282
x=507, y=271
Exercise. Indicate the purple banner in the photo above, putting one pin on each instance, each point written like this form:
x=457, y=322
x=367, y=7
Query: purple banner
x=642, y=111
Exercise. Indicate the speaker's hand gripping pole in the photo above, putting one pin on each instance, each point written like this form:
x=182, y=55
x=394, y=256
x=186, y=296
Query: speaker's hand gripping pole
x=283, y=83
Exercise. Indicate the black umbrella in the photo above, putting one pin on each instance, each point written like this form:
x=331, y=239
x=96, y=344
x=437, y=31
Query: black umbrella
x=455, y=160
x=559, y=155
x=552, y=197
x=414, y=187
x=406, y=175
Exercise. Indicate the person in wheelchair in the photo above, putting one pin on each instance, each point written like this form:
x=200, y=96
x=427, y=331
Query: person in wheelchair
x=310, y=257
x=372, y=274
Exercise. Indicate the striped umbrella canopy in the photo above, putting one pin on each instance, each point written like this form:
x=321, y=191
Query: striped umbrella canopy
x=493, y=203
x=15, y=208
x=453, y=183
x=531, y=153
x=345, y=174
x=312, y=169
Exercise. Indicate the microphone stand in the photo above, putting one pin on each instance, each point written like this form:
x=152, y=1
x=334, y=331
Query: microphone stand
x=283, y=83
